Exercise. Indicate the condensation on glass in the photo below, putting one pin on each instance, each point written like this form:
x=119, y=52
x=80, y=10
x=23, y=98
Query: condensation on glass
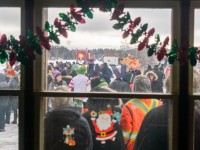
x=92, y=56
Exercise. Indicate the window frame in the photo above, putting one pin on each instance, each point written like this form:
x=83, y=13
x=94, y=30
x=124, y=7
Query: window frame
x=39, y=68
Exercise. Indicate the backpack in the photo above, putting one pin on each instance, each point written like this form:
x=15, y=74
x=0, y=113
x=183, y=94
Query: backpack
x=107, y=135
x=65, y=128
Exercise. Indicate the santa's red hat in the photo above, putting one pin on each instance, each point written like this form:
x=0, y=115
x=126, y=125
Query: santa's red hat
x=109, y=111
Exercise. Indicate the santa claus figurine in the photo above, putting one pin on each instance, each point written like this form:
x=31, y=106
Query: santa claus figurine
x=104, y=126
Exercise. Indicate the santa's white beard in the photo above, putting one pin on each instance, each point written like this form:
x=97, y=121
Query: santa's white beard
x=103, y=124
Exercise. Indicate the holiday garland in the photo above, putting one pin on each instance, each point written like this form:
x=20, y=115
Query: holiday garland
x=26, y=47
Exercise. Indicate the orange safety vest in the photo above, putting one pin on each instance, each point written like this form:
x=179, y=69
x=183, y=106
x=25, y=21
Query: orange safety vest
x=133, y=113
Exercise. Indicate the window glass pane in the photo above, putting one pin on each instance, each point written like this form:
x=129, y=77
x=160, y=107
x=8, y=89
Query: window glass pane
x=10, y=25
x=9, y=78
x=114, y=123
x=9, y=122
x=196, y=72
x=97, y=40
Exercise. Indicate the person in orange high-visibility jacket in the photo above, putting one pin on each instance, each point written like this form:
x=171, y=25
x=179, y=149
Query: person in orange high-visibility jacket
x=134, y=111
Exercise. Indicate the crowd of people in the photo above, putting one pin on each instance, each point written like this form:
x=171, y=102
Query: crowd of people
x=94, y=73
x=109, y=123
x=99, y=123
x=9, y=79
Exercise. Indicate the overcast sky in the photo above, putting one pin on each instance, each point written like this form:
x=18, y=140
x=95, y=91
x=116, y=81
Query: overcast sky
x=98, y=32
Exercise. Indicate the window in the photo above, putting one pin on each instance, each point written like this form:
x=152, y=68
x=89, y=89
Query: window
x=90, y=31
x=10, y=80
x=39, y=94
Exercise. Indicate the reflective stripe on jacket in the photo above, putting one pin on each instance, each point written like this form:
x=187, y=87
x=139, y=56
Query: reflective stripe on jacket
x=133, y=113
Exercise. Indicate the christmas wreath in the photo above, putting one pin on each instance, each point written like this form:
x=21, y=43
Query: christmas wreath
x=27, y=46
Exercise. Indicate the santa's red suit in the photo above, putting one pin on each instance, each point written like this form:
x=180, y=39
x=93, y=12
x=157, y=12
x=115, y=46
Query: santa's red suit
x=105, y=134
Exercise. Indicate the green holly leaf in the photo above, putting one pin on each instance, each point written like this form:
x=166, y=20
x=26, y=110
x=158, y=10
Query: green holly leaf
x=72, y=27
x=89, y=14
x=56, y=40
x=47, y=26
x=193, y=50
x=38, y=50
x=12, y=38
x=171, y=59
x=157, y=37
x=193, y=55
x=21, y=57
x=118, y=26
x=144, y=27
x=3, y=56
x=193, y=61
x=53, y=36
x=134, y=39
x=14, y=43
x=114, y=3
x=65, y=18
x=152, y=49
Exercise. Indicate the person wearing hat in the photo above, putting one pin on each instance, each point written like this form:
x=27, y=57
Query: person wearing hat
x=161, y=75
x=98, y=82
x=79, y=83
x=57, y=83
x=13, y=100
x=3, y=101
x=134, y=111
x=155, y=85
x=154, y=130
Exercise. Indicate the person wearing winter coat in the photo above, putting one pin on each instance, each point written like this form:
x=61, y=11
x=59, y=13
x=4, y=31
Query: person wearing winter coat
x=56, y=84
x=134, y=111
x=50, y=77
x=90, y=70
x=154, y=133
x=66, y=129
x=161, y=75
x=121, y=86
x=79, y=83
x=65, y=77
x=147, y=69
x=13, y=100
x=106, y=132
x=106, y=73
x=155, y=85
x=3, y=101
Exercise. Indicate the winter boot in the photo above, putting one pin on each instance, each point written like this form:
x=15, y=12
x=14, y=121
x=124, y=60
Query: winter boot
x=14, y=122
x=7, y=121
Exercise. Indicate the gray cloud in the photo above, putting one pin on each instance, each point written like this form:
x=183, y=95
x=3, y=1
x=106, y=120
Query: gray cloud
x=98, y=27
x=158, y=18
x=10, y=16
